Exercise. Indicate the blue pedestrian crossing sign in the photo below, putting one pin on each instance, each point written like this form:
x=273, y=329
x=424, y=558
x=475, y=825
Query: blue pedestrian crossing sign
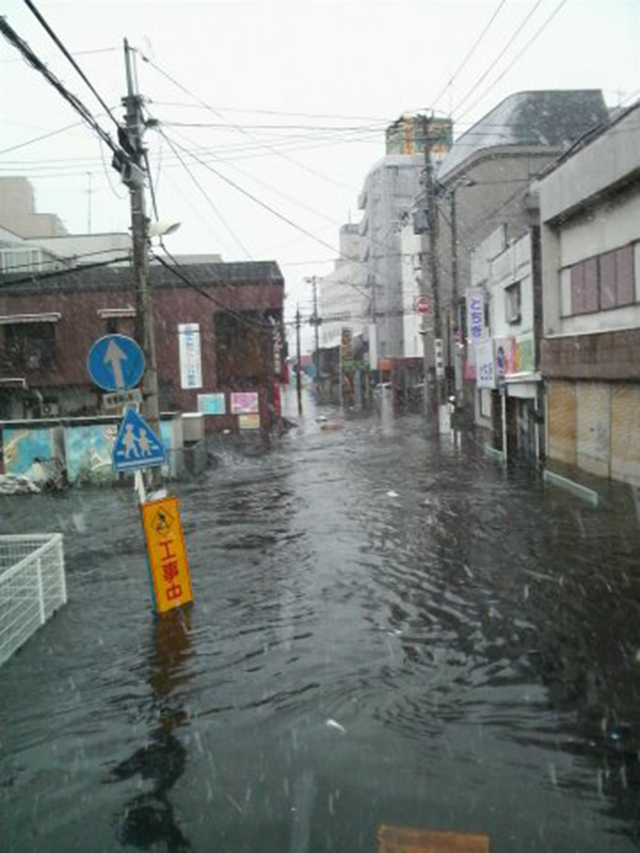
x=115, y=363
x=137, y=446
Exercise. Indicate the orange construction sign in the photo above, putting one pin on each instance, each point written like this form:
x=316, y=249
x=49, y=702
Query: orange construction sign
x=406, y=839
x=168, y=562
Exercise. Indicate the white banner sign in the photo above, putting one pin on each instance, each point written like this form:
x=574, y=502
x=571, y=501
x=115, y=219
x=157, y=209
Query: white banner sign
x=190, y=361
x=485, y=366
x=475, y=314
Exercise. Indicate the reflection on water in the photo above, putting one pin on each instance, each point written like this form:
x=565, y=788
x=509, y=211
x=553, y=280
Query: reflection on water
x=473, y=635
x=149, y=818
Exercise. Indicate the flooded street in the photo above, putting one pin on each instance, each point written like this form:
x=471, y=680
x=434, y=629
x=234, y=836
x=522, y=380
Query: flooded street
x=386, y=630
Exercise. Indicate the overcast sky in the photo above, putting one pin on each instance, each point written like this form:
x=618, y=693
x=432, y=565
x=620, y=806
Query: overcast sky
x=299, y=95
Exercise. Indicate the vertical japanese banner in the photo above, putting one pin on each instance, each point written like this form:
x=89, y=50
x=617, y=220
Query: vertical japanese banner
x=190, y=358
x=168, y=562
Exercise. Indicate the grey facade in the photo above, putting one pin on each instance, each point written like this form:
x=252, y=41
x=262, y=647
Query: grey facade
x=390, y=190
x=484, y=180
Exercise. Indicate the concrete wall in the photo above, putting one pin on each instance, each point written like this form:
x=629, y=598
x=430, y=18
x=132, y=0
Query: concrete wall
x=497, y=198
x=606, y=162
x=411, y=272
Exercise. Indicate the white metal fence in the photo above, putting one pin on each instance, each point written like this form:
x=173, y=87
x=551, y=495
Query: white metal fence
x=32, y=586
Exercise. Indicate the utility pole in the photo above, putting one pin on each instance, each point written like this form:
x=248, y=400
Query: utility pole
x=134, y=179
x=298, y=357
x=432, y=391
x=315, y=322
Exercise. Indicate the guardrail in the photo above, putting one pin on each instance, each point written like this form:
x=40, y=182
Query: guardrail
x=32, y=586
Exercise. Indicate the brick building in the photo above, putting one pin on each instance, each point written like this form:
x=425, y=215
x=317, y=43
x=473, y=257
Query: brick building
x=48, y=324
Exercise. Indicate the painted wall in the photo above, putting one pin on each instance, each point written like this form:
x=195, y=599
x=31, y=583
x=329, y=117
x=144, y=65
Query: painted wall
x=23, y=445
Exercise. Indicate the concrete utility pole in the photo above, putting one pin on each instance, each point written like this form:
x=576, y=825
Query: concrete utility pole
x=315, y=322
x=298, y=357
x=432, y=390
x=134, y=178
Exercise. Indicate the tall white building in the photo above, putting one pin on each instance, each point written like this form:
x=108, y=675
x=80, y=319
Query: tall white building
x=390, y=190
x=343, y=297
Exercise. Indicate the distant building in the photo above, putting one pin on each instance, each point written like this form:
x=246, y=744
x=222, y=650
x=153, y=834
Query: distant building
x=18, y=211
x=407, y=135
x=590, y=215
x=48, y=325
x=343, y=299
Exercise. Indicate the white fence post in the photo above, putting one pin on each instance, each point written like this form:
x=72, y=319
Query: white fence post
x=40, y=590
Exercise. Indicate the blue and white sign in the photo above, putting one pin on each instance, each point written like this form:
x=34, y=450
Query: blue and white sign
x=115, y=363
x=485, y=365
x=475, y=314
x=137, y=446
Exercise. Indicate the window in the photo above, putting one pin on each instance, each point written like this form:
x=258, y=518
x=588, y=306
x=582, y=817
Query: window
x=28, y=346
x=616, y=278
x=120, y=321
x=512, y=303
x=603, y=282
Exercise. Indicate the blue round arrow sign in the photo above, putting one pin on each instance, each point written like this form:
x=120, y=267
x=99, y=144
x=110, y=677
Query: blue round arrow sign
x=115, y=363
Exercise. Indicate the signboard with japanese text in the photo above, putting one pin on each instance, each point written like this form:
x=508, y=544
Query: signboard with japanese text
x=524, y=356
x=167, y=555
x=212, y=404
x=244, y=403
x=475, y=315
x=190, y=358
x=485, y=364
x=249, y=421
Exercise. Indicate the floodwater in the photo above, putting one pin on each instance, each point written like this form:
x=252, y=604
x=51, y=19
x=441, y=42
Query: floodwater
x=460, y=655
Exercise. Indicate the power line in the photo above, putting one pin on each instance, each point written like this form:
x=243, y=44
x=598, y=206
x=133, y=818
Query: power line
x=272, y=188
x=31, y=6
x=14, y=39
x=470, y=53
x=533, y=38
x=258, y=201
x=237, y=127
x=207, y=197
x=485, y=74
x=58, y=273
x=176, y=270
x=40, y=138
x=21, y=247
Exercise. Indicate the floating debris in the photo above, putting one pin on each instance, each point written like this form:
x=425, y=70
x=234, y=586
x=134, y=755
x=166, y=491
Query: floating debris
x=392, y=494
x=333, y=724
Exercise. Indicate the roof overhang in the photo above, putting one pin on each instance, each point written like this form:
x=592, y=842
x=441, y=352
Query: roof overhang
x=11, y=319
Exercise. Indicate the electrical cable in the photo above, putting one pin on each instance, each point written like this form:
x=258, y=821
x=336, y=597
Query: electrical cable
x=14, y=39
x=207, y=197
x=488, y=70
x=259, y=202
x=32, y=8
x=176, y=270
x=469, y=54
x=58, y=273
x=533, y=38
x=239, y=128
x=19, y=247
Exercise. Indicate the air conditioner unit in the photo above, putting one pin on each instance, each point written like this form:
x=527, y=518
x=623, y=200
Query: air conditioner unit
x=49, y=410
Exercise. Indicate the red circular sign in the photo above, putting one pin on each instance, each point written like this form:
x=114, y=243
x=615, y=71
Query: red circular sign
x=422, y=305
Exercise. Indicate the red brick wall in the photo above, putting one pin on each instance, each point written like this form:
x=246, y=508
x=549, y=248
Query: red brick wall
x=80, y=325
